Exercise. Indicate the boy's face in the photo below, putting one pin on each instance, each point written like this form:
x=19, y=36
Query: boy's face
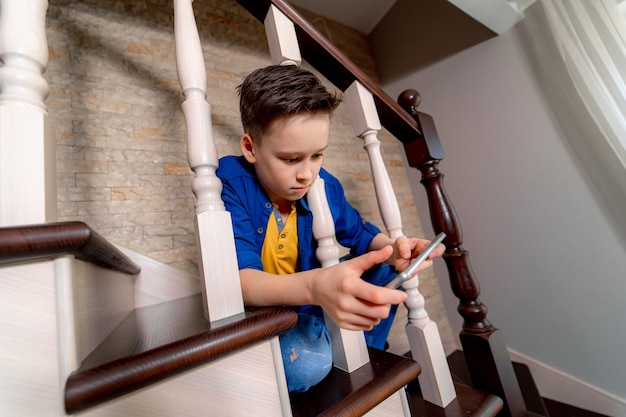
x=289, y=157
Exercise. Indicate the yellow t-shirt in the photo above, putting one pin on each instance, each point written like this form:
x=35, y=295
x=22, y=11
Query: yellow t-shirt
x=280, y=247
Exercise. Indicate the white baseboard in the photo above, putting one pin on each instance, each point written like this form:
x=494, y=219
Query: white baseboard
x=557, y=385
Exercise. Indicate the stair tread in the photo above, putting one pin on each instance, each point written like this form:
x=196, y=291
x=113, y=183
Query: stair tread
x=532, y=399
x=468, y=401
x=353, y=394
x=157, y=342
x=536, y=404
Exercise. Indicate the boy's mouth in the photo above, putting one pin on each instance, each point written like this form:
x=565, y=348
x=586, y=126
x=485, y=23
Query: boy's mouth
x=300, y=188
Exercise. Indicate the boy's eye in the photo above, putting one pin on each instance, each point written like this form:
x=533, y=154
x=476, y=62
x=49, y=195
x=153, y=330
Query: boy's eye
x=296, y=159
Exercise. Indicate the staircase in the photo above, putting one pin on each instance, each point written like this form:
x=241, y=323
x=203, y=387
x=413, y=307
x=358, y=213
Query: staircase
x=160, y=342
x=164, y=358
x=166, y=353
x=121, y=330
x=104, y=331
x=485, y=350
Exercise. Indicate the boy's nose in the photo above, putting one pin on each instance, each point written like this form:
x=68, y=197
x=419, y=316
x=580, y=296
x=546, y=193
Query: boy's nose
x=305, y=173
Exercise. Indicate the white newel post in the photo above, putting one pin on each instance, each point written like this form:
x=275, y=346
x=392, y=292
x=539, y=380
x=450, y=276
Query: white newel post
x=349, y=347
x=221, y=287
x=27, y=147
x=426, y=347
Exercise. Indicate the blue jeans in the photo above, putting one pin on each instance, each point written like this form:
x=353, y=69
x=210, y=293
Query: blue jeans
x=307, y=350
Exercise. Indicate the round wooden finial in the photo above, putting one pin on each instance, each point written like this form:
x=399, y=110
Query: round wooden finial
x=409, y=100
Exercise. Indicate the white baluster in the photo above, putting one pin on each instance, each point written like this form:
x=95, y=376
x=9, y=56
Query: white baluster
x=423, y=334
x=349, y=347
x=426, y=348
x=221, y=287
x=27, y=145
x=366, y=125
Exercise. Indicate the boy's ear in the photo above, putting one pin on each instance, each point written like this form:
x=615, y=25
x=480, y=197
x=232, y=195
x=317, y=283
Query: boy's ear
x=247, y=148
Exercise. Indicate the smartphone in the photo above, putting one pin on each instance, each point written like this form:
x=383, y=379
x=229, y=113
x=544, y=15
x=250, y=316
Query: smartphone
x=412, y=268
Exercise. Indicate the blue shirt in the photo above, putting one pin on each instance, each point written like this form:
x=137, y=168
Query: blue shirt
x=250, y=208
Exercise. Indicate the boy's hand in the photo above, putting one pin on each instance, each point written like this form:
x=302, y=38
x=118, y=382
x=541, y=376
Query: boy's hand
x=352, y=303
x=406, y=249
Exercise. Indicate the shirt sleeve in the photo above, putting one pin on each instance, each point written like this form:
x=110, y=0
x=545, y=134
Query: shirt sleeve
x=248, y=255
x=351, y=229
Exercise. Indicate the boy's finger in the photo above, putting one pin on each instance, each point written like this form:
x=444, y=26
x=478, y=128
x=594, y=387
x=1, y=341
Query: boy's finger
x=403, y=246
x=379, y=295
x=370, y=259
x=370, y=292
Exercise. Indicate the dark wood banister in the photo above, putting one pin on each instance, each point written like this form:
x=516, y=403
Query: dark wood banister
x=32, y=242
x=338, y=68
x=487, y=356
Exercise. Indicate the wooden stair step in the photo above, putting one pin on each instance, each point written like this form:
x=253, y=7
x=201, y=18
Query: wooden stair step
x=468, y=402
x=355, y=393
x=532, y=399
x=161, y=341
x=536, y=405
x=544, y=407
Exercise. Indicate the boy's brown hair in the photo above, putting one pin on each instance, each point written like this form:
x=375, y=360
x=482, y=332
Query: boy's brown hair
x=275, y=91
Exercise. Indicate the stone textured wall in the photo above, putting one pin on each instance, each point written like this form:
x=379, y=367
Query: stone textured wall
x=115, y=104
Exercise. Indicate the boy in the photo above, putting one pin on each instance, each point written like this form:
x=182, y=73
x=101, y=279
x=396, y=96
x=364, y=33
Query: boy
x=285, y=112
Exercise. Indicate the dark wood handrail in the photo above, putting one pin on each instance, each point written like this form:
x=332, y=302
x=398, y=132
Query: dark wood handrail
x=338, y=68
x=32, y=242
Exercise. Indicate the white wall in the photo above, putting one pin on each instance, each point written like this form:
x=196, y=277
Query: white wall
x=552, y=269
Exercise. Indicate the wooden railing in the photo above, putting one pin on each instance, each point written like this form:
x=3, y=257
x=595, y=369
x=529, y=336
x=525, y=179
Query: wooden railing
x=31, y=242
x=483, y=344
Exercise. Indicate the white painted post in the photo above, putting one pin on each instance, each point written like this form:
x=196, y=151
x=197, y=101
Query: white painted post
x=426, y=347
x=349, y=347
x=366, y=125
x=27, y=144
x=281, y=38
x=221, y=287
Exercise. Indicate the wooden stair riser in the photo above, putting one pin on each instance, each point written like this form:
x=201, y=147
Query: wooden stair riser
x=30, y=384
x=243, y=384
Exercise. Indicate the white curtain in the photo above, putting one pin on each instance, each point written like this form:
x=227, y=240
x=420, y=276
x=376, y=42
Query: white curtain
x=591, y=37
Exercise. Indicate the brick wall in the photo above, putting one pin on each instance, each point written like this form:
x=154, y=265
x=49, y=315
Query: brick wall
x=115, y=105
